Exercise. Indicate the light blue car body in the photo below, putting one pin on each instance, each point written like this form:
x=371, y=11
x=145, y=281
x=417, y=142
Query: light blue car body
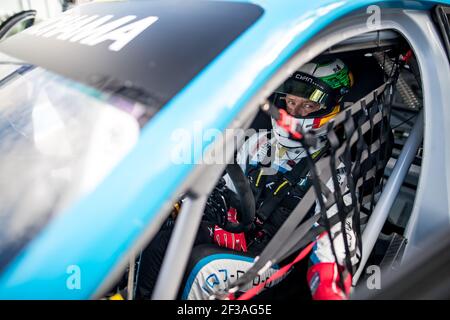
x=95, y=233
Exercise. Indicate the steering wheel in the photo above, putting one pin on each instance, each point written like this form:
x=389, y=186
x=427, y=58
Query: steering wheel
x=246, y=201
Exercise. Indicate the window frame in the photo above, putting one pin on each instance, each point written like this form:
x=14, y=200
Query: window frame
x=442, y=16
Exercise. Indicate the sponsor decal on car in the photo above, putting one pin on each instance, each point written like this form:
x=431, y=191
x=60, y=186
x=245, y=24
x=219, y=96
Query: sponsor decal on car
x=91, y=30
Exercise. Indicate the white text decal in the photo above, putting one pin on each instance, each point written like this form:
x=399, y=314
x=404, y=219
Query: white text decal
x=92, y=30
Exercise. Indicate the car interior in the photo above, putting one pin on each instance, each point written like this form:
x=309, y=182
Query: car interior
x=372, y=58
x=362, y=55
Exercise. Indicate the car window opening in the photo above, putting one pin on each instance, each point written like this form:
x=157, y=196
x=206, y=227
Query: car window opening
x=364, y=115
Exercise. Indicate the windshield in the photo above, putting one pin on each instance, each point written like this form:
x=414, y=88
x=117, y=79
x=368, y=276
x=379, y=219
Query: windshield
x=58, y=140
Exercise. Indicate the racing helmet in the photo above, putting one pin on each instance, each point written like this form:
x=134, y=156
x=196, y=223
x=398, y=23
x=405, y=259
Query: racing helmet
x=312, y=95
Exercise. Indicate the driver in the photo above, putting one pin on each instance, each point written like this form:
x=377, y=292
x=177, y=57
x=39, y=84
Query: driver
x=312, y=95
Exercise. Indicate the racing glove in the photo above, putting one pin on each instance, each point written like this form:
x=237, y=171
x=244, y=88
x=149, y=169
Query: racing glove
x=216, y=208
x=230, y=240
x=323, y=279
x=220, y=208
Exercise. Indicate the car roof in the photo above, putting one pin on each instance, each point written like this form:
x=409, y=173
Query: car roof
x=97, y=231
x=132, y=49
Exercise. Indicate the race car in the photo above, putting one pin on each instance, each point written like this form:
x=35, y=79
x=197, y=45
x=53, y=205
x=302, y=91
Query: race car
x=111, y=111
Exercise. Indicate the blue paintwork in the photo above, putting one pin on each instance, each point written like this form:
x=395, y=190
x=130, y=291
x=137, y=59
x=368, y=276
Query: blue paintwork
x=97, y=231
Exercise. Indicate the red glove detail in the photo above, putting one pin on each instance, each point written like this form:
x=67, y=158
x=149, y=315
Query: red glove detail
x=323, y=280
x=233, y=241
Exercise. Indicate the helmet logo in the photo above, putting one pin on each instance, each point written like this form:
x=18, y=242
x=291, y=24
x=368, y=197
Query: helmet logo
x=308, y=79
x=304, y=77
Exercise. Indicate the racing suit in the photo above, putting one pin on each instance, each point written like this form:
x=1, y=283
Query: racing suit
x=217, y=269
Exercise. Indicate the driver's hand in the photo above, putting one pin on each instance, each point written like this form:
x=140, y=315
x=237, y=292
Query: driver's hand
x=216, y=208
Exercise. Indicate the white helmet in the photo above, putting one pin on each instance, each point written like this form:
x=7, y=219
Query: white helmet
x=312, y=96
